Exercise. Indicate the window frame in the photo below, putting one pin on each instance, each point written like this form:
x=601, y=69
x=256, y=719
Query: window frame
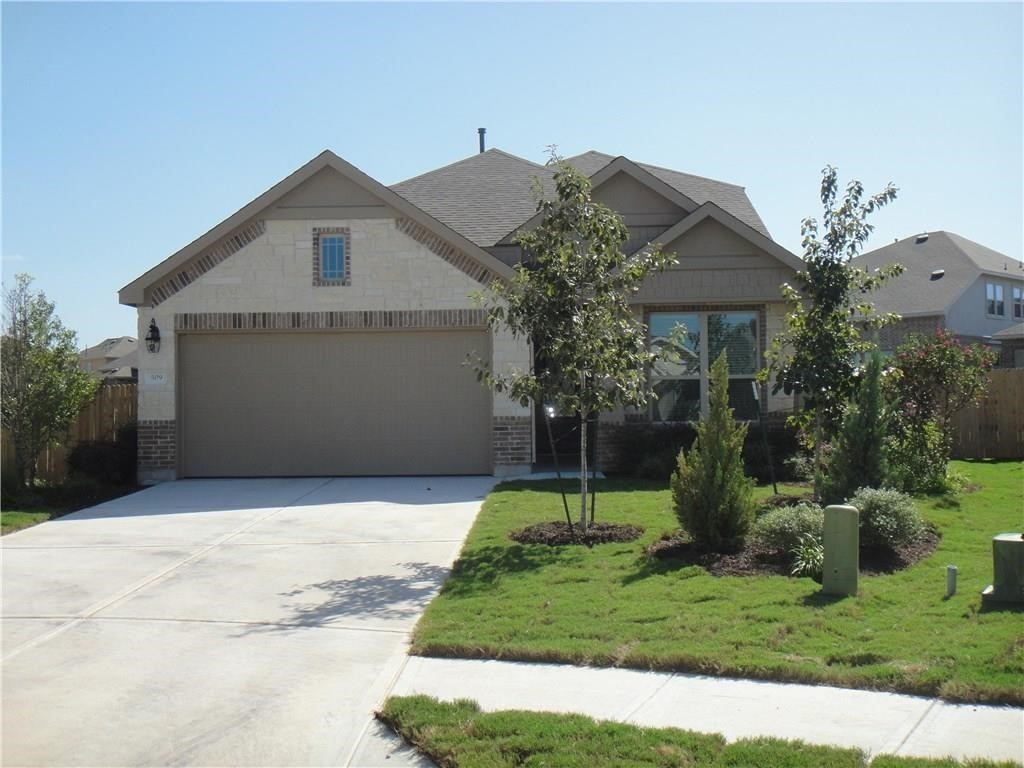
x=345, y=236
x=703, y=313
x=995, y=299
x=1017, y=302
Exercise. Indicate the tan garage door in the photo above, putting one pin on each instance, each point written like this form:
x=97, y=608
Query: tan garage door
x=350, y=403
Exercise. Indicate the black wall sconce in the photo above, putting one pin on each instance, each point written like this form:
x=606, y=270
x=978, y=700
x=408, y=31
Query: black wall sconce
x=153, y=337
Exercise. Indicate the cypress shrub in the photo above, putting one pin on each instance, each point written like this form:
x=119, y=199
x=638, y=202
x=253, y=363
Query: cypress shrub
x=712, y=497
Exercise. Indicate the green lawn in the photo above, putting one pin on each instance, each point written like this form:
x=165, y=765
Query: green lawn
x=611, y=605
x=22, y=508
x=458, y=735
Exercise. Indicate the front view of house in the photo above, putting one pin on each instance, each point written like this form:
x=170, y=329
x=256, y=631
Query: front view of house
x=323, y=329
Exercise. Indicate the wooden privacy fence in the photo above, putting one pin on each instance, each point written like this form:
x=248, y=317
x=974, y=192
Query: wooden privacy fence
x=994, y=429
x=114, y=406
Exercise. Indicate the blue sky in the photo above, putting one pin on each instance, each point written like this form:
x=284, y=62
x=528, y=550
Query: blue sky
x=131, y=129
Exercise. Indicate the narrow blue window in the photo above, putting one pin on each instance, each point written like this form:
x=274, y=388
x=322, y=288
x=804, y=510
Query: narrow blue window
x=332, y=258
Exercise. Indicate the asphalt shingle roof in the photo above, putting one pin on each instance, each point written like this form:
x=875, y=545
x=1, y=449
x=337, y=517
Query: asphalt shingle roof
x=486, y=196
x=915, y=292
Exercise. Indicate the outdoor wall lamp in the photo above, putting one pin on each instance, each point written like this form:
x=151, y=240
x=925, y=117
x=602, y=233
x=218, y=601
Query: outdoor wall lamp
x=153, y=337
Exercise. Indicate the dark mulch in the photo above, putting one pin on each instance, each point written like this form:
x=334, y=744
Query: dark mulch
x=876, y=560
x=558, y=533
x=750, y=561
x=756, y=561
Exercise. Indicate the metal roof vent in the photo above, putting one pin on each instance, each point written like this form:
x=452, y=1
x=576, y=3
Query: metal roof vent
x=922, y=238
x=937, y=274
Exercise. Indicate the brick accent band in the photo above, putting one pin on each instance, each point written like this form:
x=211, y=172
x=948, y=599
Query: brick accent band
x=449, y=253
x=207, y=260
x=296, y=321
x=512, y=440
x=158, y=445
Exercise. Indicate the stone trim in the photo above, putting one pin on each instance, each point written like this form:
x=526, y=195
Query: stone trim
x=351, y=320
x=449, y=253
x=158, y=445
x=346, y=236
x=206, y=260
x=512, y=440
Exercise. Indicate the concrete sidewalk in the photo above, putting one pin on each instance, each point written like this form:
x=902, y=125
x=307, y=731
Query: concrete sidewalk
x=878, y=723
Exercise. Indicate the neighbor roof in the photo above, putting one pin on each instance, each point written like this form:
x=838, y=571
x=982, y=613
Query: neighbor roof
x=488, y=195
x=1013, y=332
x=110, y=348
x=915, y=292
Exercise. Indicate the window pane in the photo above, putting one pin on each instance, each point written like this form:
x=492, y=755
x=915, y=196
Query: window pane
x=332, y=258
x=741, y=399
x=736, y=333
x=990, y=291
x=665, y=334
x=678, y=400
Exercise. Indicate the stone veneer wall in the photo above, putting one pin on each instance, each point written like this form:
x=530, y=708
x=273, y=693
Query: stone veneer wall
x=400, y=278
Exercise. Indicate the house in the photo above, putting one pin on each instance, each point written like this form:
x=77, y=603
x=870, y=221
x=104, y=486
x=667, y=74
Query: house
x=322, y=328
x=1010, y=344
x=949, y=282
x=100, y=359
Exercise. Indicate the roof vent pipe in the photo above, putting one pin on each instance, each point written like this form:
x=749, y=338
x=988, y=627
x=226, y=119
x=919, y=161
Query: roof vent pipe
x=481, y=131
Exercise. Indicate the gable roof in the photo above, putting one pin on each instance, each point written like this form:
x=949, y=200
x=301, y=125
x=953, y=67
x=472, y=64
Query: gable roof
x=134, y=293
x=110, y=348
x=915, y=292
x=489, y=195
x=731, y=198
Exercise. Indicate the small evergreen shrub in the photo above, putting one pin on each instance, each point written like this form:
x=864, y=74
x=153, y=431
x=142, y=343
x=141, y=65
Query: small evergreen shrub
x=809, y=558
x=782, y=528
x=107, y=461
x=858, y=455
x=712, y=497
x=917, y=458
x=887, y=517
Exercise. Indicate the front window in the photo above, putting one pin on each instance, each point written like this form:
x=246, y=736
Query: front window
x=681, y=384
x=1018, y=302
x=994, y=299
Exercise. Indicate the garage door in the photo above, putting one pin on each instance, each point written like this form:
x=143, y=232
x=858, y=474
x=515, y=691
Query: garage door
x=351, y=403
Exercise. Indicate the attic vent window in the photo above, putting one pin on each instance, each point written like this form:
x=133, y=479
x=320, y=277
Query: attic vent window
x=937, y=274
x=332, y=256
x=922, y=238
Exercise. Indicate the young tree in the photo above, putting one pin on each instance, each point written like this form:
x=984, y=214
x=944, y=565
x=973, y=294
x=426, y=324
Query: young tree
x=569, y=299
x=934, y=377
x=859, y=453
x=816, y=354
x=713, y=498
x=43, y=388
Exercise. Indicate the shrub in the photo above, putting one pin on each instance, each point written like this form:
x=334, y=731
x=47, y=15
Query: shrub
x=858, y=456
x=887, y=517
x=712, y=497
x=917, y=457
x=800, y=466
x=107, y=461
x=783, y=528
x=809, y=558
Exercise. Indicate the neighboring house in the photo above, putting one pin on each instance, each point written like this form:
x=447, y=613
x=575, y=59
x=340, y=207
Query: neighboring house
x=124, y=368
x=1010, y=346
x=949, y=282
x=100, y=359
x=322, y=329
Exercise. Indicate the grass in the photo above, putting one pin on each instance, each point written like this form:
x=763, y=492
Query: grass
x=23, y=507
x=613, y=606
x=459, y=735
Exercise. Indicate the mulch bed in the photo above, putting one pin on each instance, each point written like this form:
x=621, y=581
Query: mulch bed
x=755, y=561
x=558, y=533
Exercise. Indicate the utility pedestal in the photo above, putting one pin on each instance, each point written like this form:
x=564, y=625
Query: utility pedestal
x=842, y=550
x=1008, y=567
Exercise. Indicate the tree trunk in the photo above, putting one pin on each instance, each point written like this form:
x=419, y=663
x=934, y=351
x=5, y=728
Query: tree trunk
x=819, y=472
x=583, y=472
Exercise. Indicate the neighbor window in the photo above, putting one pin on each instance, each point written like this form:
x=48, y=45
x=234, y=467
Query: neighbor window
x=332, y=259
x=1018, y=302
x=994, y=299
x=681, y=384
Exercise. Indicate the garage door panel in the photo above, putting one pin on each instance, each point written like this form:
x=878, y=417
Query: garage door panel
x=343, y=403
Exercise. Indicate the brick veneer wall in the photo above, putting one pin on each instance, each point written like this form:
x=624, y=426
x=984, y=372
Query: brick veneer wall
x=894, y=334
x=449, y=253
x=158, y=445
x=294, y=321
x=512, y=439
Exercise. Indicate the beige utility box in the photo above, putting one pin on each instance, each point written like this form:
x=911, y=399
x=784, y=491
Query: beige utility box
x=842, y=550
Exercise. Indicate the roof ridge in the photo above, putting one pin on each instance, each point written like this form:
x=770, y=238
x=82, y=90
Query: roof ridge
x=465, y=160
x=691, y=175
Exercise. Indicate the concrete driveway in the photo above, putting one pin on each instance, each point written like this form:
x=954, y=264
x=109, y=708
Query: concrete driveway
x=222, y=622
